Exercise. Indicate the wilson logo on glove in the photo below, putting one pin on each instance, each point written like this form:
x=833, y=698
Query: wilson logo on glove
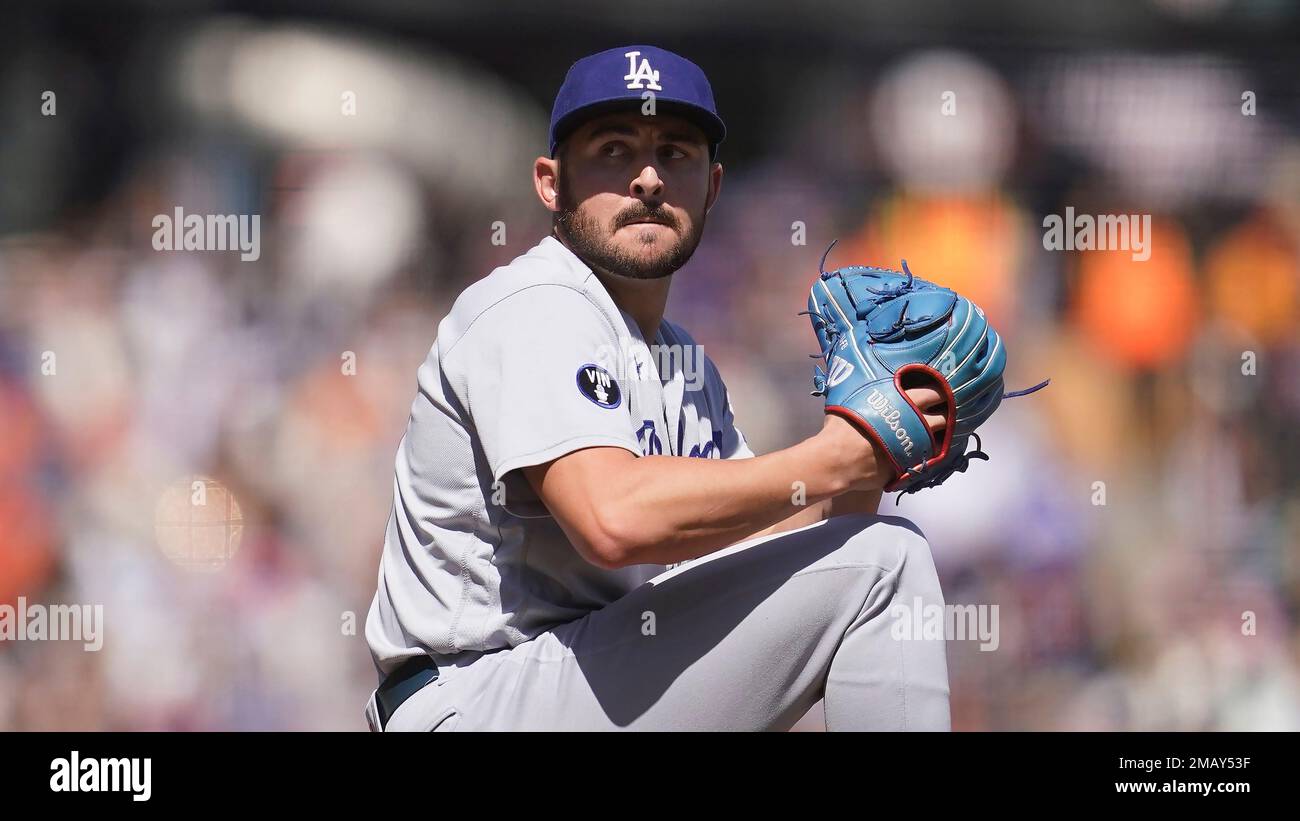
x=889, y=416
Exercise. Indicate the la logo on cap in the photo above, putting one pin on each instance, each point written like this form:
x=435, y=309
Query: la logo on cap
x=636, y=74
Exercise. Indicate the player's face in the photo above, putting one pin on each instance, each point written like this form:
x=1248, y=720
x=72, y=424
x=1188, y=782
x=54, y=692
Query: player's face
x=633, y=193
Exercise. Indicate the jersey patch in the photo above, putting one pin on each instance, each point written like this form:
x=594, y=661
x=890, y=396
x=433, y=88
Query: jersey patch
x=595, y=383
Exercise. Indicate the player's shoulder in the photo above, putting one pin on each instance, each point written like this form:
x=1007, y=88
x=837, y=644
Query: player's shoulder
x=546, y=268
x=544, y=281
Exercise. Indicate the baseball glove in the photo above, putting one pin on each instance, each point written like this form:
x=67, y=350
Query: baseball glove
x=883, y=332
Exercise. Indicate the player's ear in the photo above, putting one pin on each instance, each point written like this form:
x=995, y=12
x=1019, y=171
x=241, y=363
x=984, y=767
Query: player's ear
x=715, y=186
x=546, y=181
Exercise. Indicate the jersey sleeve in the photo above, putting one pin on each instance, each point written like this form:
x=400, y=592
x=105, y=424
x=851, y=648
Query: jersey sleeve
x=540, y=378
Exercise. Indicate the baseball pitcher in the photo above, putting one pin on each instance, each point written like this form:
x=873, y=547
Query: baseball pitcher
x=581, y=539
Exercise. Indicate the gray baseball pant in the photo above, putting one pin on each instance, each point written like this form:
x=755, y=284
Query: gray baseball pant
x=747, y=638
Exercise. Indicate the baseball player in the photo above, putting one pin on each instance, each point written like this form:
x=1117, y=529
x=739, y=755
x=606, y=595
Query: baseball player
x=581, y=539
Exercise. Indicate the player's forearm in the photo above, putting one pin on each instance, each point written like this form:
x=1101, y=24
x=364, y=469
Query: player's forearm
x=669, y=509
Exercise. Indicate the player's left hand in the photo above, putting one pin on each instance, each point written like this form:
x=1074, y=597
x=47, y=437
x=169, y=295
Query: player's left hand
x=933, y=407
x=914, y=366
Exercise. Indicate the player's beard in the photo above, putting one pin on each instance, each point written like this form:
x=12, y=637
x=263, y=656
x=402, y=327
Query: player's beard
x=594, y=244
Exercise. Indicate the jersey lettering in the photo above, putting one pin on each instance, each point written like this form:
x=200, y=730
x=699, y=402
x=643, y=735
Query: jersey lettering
x=710, y=450
x=649, y=439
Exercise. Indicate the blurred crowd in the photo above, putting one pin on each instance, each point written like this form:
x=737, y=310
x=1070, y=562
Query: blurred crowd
x=1138, y=525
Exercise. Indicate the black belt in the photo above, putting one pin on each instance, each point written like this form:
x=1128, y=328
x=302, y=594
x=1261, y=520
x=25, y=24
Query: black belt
x=403, y=683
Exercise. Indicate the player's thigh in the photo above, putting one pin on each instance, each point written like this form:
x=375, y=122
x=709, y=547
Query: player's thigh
x=741, y=639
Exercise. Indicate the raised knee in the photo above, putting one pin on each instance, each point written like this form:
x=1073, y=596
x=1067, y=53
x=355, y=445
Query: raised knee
x=884, y=541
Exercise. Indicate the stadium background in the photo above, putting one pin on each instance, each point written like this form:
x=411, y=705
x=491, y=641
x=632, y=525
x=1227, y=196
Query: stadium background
x=176, y=365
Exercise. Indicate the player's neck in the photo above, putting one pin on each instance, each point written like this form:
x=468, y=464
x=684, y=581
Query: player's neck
x=643, y=299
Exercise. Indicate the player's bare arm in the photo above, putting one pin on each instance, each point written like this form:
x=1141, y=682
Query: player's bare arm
x=619, y=509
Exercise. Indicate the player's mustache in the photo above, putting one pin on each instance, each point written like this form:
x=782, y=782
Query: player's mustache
x=643, y=213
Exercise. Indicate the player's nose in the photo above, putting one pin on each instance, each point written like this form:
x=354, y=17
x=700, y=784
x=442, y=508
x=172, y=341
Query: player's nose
x=647, y=184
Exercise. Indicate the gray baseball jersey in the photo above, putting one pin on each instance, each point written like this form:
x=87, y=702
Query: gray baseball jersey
x=534, y=361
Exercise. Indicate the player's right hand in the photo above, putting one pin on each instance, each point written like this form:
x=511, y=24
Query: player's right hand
x=865, y=464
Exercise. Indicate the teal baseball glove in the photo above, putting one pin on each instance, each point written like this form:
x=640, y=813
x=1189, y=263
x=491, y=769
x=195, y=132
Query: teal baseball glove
x=883, y=332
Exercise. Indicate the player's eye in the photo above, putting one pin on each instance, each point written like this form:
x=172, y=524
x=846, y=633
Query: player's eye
x=672, y=152
x=613, y=150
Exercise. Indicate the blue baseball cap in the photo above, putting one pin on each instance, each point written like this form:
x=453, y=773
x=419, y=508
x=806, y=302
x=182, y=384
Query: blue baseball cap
x=616, y=79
